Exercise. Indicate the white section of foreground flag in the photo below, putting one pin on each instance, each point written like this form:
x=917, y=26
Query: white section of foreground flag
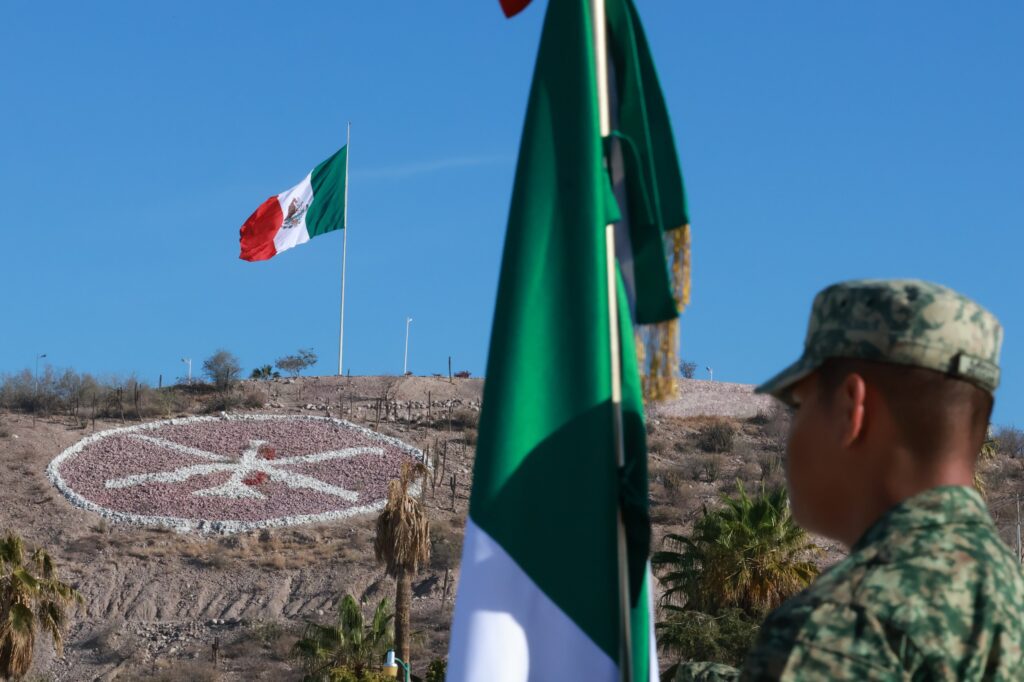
x=506, y=630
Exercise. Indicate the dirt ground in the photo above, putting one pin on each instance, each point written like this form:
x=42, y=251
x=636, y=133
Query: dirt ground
x=157, y=601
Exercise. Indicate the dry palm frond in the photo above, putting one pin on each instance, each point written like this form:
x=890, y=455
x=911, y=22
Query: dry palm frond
x=403, y=530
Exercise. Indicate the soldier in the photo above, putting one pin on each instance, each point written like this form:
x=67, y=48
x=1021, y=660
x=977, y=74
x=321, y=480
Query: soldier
x=892, y=398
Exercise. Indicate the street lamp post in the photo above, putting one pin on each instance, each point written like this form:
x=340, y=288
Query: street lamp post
x=38, y=355
x=711, y=373
x=188, y=361
x=405, y=362
x=391, y=663
x=35, y=407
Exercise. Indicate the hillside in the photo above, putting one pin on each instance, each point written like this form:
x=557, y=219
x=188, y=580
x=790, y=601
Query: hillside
x=157, y=600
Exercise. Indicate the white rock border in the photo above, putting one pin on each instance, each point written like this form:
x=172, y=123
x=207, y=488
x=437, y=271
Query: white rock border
x=222, y=527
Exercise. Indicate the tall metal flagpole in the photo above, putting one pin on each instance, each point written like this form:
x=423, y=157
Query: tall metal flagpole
x=597, y=16
x=344, y=248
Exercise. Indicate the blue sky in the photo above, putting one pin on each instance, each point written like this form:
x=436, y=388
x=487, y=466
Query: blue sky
x=819, y=141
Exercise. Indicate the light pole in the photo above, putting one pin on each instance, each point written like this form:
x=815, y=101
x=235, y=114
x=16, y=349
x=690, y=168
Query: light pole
x=405, y=362
x=36, y=407
x=711, y=373
x=391, y=663
x=38, y=355
x=188, y=361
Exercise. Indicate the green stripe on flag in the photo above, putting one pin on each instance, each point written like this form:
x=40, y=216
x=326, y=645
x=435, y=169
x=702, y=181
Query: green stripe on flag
x=327, y=210
x=545, y=481
x=654, y=183
x=546, y=486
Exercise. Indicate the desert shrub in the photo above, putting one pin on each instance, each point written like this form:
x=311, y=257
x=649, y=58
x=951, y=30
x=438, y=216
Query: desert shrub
x=711, y=467
x=749, y=472
x=776, y=429
x=266, y=631
x=716, y=437
x=222, y=402
x=80, y=395
x=462, y=374
x=464, y=418
x=697, y=636
x=1009, y=441
x=658, y=442
x=445, y=546
x=761, y=418
x=687, y=369
x=692, y=468
x=771, y=465
x=469, y=437
x=664, y=514
x=681, y=493
x=253, y=398
x=223, y=369
x=436, y=670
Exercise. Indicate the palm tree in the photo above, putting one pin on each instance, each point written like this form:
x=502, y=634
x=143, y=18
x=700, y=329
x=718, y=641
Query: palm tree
x=30, y=595
x=748, y=554
x=402, y=544
x=331, y=652
x=264, y=373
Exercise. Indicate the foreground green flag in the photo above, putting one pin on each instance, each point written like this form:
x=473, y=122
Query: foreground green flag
x=539, y=595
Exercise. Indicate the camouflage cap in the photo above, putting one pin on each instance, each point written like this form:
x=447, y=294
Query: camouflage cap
x=900, y=321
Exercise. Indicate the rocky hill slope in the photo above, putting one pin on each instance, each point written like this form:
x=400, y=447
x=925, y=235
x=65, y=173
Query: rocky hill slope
x=157, y=601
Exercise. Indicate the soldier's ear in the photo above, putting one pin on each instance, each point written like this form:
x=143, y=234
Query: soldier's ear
x=849, y=402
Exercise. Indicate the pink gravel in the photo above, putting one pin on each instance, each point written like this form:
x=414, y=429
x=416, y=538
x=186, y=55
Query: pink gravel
x=84, y=474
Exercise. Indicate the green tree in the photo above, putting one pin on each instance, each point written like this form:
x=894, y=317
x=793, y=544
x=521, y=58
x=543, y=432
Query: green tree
x=348, y=648
x=748, y=554
x=31, y=597
x=294, y=364
x=222, y=368
x=402, y=545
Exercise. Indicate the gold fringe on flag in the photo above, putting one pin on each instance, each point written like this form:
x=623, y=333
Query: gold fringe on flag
x=657, y=345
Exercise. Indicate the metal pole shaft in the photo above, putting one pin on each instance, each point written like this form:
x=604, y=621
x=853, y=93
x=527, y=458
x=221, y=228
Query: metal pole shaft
x=405, y=360
x=1020, y=557
x=344, y=248
x=597, y=15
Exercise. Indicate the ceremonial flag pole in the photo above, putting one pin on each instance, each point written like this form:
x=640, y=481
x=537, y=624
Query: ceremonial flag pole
x=344, y=249
x=555, y=579
x=598, y=22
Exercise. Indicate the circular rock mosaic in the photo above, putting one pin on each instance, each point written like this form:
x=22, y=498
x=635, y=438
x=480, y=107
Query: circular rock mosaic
x=231, y=473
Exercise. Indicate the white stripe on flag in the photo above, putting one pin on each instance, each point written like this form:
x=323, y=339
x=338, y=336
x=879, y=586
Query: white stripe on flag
x=653, y=670
x=295, y=200
x=506, y=630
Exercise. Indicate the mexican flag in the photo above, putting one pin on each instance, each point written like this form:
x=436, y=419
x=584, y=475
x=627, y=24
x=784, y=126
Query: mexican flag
x=539, y=595
x=314, y=206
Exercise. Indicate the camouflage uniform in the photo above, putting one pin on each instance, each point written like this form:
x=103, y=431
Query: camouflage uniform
x=930, y=592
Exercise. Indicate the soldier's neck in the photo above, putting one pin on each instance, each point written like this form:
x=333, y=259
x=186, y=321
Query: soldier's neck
x=901, y=476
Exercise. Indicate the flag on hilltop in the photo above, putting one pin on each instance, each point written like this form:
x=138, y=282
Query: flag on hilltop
x=539, y=592
x=311, y=208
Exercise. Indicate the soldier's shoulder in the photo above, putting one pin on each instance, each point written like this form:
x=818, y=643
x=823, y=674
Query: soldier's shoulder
x=958, y=566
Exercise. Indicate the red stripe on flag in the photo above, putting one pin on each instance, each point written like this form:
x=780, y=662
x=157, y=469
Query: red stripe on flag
x=513, y=7
x=257, y=234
